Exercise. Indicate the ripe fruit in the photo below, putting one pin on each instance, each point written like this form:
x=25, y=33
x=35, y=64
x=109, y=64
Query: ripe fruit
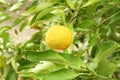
x=58, y=37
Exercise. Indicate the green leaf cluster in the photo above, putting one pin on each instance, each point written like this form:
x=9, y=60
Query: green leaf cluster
x=94, y=53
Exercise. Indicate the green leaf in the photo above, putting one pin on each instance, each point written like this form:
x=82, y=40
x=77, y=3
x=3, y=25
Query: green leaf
x=41, y=69
x=16, y=6
x=113, y=20
x=33, y=21
x=21, y=0
x=105, y=68
x=17, y=21
x=32, y=46
x=86, y=25
x=59, y=74
x=4, y=29
x=90, y=2
x=79, y=53
x=105, y=49
x=44, y=13
x=43, y=66
x=11, y=75
x=23, y=25
x=60, y=58
x=41, y=15
x=3, y=2
x=60, y=13
x=1, y=9
x=50, y=17
x=43, y=6
x=6, y=39
x=94, y=39
x=71, y=4
x=70, y=48
x=31, y=9
x=2, y=61
x=13, y=63
x=4, y=17
x=4, y=35
x=63, y=74
x=28, y=73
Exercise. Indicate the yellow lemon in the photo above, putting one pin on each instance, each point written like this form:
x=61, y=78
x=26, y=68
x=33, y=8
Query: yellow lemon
x=58, y=37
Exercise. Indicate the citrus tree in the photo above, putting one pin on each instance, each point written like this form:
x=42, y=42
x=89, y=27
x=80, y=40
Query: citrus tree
x=75, y=40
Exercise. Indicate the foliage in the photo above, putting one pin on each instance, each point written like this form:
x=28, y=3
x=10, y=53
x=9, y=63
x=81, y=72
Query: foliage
x=93, y=55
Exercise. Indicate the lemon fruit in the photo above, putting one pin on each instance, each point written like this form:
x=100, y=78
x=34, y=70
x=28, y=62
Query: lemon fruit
x=58, y=37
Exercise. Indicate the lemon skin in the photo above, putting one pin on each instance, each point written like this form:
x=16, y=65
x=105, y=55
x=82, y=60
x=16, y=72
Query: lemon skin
x=58, y=37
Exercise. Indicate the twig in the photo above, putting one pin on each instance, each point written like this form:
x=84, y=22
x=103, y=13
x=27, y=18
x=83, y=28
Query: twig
x=105, y=21
x=75, y=14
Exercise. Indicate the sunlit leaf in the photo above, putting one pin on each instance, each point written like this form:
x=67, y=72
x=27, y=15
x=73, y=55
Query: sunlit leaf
x=11, y=75
x=30, y=9
x=4, y=29
x=43, y=66
x=44, y=13
x=17, y=21
x=4, y=17
x=70, y=3
x=43, y=6
x=61, y=58
x=94, y=39
x=3, y=2
x=23, y=25
x=13, y=63
x=105, y=50
x=51, y=17
x=62, y=74
x=60, y=13
x=105, y=68
x=16, y=6
x=90, y=2
x=1, y=9
x=86, y=25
